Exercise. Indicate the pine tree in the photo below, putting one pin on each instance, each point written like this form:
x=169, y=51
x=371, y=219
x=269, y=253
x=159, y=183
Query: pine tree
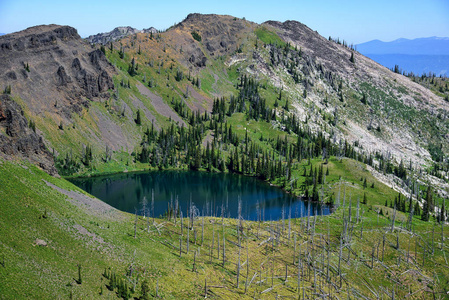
x=7, y=90
x=363, y=98
x=429, y=198
x=121, y=53
x=145, y=291
x=132, y=68
x=80, y=280
x=352, y=59
x=364, y=199
x=427, y=205
x=442, y=211
x=286, y=107
x=425, y=211
x=138, y=118
x=320, y=175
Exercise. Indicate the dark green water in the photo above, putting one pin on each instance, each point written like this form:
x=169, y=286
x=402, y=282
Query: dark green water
x=210, y=193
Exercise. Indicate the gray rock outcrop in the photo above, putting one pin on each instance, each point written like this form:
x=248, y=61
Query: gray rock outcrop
x=19, y=140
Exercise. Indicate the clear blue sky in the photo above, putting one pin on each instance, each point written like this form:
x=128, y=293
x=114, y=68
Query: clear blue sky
x=354, y=21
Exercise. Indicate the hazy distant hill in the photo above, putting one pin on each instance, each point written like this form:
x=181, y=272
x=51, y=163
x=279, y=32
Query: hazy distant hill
x=421, y=46
x=418, y=64
x=422, y=55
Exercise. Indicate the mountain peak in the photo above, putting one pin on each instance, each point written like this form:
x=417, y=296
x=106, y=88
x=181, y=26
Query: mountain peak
x=56, y=31
x=208, y=19
x=117, y=33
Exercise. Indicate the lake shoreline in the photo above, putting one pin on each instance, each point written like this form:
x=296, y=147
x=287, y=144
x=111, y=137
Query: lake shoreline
x=207, y=188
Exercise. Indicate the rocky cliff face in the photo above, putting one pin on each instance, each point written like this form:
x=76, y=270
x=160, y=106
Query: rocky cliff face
x=18, y=140
x=54, y=75
x=52, y=70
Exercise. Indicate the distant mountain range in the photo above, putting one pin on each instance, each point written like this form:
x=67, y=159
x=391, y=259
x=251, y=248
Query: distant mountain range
x=2, y=33
x=422, y=55
x=421, y=46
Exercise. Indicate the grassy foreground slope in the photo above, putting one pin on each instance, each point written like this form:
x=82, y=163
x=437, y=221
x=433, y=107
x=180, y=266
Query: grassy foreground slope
x=335, y=256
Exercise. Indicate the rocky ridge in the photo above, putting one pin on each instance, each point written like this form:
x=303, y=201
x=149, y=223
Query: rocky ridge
x=56, y=75
x=50, y=64
x=53, y=75
x=18, y=140
x=117, y=33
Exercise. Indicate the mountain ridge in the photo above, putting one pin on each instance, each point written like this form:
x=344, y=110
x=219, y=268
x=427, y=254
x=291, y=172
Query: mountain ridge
x=419, y=56
x=117, y=33
x=316, y=74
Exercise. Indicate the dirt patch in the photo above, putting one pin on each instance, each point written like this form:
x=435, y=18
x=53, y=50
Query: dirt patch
x=84, y=231
x=137, y=103
x=91, y=205
x=209, y=138
x=39, y=242
x=388, y=180
x=111, y=133
x=199, y=101
x=159, y=105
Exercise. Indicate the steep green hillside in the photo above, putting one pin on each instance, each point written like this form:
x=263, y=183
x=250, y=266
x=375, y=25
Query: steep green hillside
x=49, y=227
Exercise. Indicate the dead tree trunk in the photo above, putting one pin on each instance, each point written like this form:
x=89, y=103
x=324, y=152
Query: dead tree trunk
x=135, y=225
x=238, y=263
x=394, y=218
x=224, y=249
x=152, y=204
x=188, y=240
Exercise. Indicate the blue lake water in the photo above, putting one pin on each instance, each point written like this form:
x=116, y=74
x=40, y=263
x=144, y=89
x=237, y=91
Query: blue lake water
x=211, y=193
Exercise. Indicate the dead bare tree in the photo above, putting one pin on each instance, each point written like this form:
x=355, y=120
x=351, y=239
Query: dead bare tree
x=224, y=249
x=135, y=224
x=152, y=204
x=238, y=262
x=394, y=218
x=247, y=264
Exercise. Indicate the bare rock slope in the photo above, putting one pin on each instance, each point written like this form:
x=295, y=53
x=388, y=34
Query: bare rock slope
x=18, y=140
x=50, y=67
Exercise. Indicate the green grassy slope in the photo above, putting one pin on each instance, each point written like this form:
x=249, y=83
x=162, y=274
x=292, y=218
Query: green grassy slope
x=98, y=238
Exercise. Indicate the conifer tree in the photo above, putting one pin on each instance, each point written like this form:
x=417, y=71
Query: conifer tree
x=138, y=118
x=442, y=217
x=427, y=205
x=352, y=59
x=145, y=291
x=80, y=280
x=132, y=68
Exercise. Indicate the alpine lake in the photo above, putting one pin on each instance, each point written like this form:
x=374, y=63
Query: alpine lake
x=209, y=194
